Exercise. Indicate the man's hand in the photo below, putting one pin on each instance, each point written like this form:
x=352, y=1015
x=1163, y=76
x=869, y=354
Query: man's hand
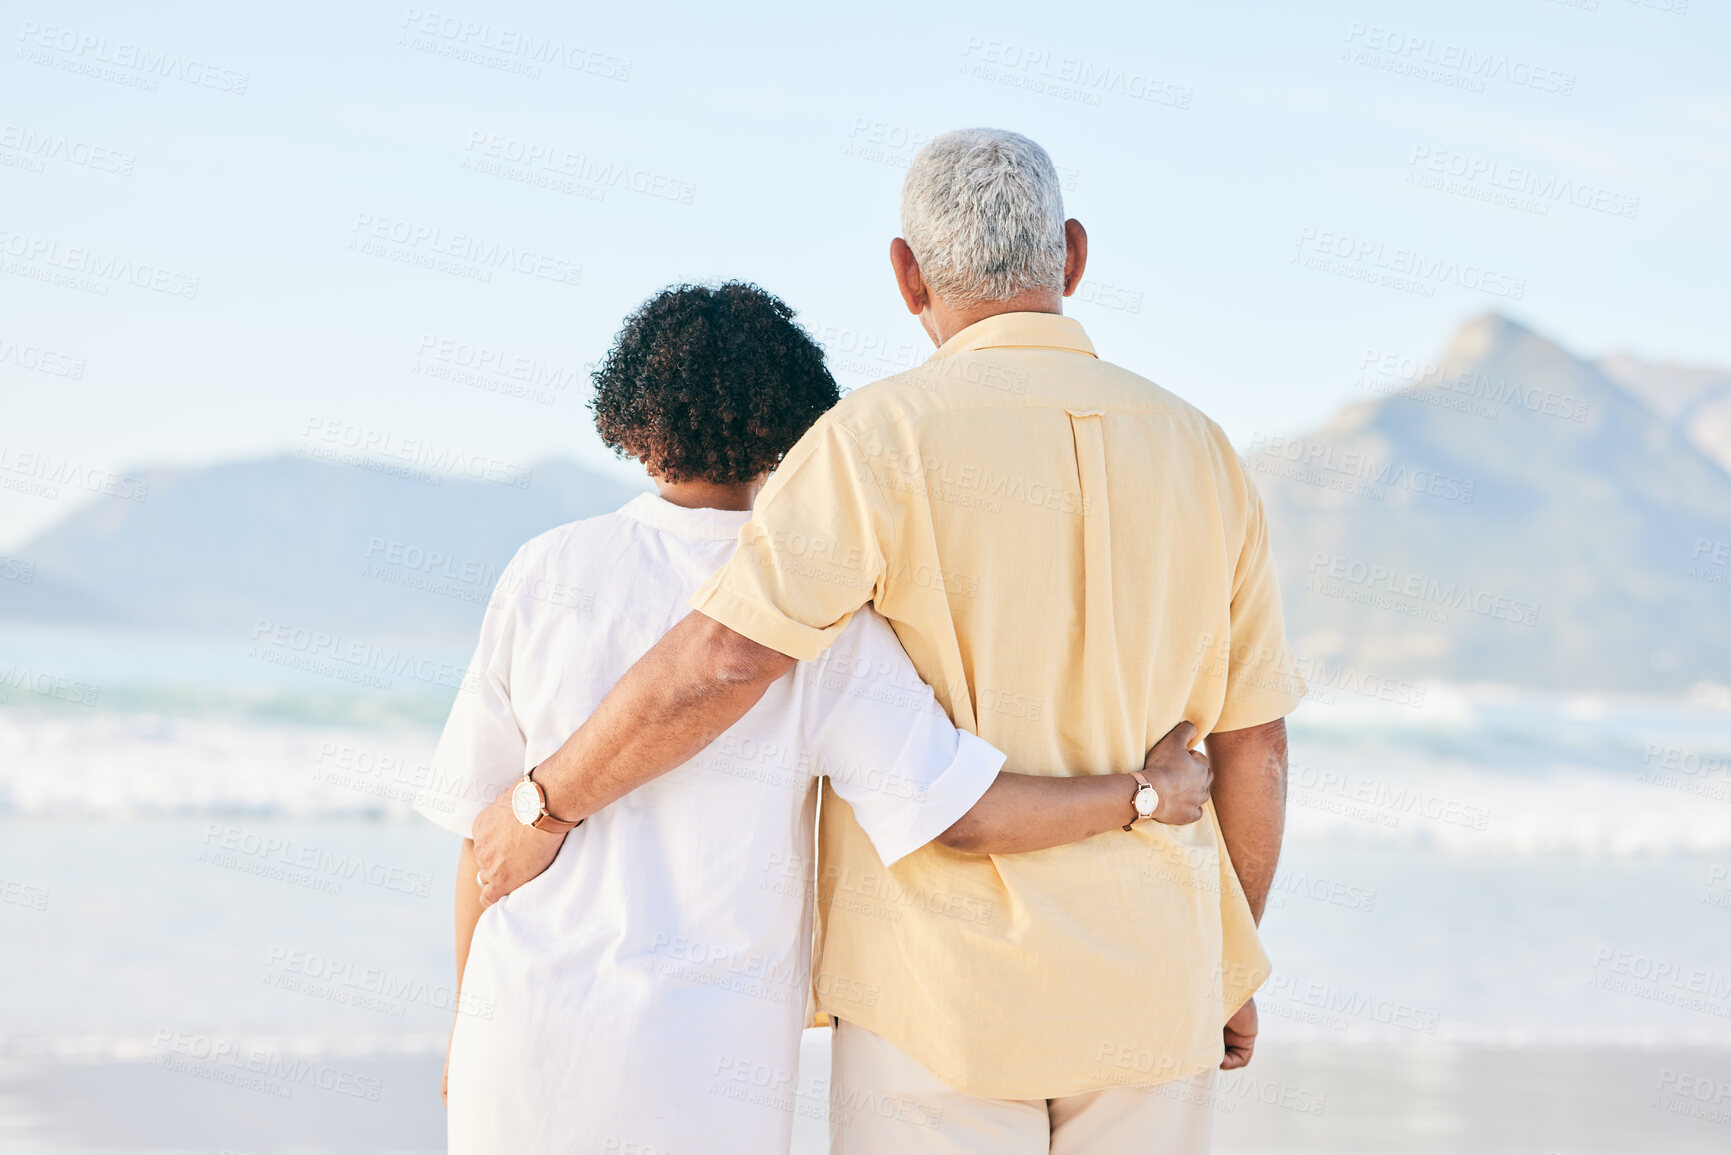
x=1180, y=774
x=507, y=853
x=1240, y=1034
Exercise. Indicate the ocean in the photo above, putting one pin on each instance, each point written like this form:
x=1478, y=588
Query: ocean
x=1502, y=919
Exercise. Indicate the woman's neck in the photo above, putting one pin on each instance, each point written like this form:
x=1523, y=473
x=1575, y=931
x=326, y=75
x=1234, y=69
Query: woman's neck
x=708, y=494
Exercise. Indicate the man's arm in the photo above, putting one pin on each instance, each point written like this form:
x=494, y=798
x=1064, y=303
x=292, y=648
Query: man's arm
x=1023, y=812
x=1250, y=802
x=702, y=677
x=694, y=683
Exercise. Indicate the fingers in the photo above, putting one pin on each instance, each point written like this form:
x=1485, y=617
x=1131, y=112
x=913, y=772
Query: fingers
x=1183, y=733
x=1181, y=817
x=1240, y=1037
x=1205, y=768
x=489, y=891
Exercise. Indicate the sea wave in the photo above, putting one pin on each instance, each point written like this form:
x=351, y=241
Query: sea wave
x=1479, y=770
x=143, y=1047
x=133, y=765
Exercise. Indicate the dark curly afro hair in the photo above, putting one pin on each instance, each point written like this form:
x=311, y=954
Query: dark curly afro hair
x=710, y=384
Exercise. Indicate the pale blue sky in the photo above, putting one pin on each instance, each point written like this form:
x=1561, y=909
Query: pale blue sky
x=1265, y=121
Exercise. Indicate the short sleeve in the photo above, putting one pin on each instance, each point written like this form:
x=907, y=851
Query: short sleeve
x=873, y=727
x=1262, y=681
x=812, y=553
x=482, y=750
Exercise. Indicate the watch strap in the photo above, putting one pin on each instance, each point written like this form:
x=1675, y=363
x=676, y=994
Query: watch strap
x=554, y=825
x=546, y=821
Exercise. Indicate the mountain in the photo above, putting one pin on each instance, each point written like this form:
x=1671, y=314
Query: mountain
x=1695, y=401
x=1512, y=513
x=299, y=541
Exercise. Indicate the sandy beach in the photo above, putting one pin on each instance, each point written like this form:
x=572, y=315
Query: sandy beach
x=1437, y=1099
x=1439, y=989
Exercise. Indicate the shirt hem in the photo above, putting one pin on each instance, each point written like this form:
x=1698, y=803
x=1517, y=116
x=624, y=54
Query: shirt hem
x=762, y=626
x=952, y=795
x=1255, y=710
x=1057, y=1089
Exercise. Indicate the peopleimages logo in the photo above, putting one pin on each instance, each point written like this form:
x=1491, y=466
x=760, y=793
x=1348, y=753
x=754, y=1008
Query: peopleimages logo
x=318, y=867
x=352, y=659
x=42, y=475
x=1463, y=389
x=583, y=168
x=255, y=1068
x=1366, y=259
x=60, y=687
x=1454, y=65
x=40, y=360
x=87, y=53
x=1395, y=582
x=1312, y=460
x=1067, y=77
x=506, y=48
x=1519, y=180
x=88, y=269
x=460, y=253
x=37, y=148
x=348, y=437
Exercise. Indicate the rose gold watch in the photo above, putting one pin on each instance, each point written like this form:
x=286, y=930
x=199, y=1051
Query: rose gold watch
x=1147, y=799
x=529, y=805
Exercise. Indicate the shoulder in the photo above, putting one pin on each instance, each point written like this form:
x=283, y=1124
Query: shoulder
x=992, y=379
x=1189, y=424
x=574, y=556
x=866, y=652
x=562, y=540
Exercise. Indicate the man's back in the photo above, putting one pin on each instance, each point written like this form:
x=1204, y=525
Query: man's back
x=1075, y=561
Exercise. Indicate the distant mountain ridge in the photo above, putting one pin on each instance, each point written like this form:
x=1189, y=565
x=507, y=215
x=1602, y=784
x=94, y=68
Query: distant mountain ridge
x=1517, y=515
x=292, y=539
x=1694, y=401
x=1512, y=513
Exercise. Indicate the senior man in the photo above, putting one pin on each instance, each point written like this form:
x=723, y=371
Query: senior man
x=1075, y=560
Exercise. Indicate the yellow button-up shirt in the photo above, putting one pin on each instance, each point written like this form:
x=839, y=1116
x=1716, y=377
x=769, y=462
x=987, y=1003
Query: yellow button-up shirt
x=1075, y=560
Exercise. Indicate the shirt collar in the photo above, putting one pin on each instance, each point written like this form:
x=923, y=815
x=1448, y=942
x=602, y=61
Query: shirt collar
x=705, y=524
x=1020, y=331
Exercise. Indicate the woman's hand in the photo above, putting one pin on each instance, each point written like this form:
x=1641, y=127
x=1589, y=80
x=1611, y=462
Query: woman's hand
x=1181, y=776
x=445, y=1079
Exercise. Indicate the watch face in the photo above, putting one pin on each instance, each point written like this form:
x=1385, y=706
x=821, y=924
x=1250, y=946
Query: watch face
x=1147, y=801
x=526, y=802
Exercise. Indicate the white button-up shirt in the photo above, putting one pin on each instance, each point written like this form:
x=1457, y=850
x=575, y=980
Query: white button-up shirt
x=646, y=993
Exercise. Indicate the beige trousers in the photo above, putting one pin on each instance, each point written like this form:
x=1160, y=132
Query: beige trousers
x=884, y=1103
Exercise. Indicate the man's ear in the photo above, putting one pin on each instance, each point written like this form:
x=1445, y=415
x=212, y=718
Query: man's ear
x=1075, y=254
x=908, y=278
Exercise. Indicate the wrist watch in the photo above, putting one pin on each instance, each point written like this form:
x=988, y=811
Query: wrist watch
x=529, y=805
x=1147, y=799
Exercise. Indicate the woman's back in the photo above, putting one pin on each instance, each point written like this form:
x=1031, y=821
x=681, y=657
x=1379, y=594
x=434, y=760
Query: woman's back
x=667, y=947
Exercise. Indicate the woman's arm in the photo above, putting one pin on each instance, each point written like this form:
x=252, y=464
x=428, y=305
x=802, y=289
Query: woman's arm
x=1023, y=812
x=468, y=914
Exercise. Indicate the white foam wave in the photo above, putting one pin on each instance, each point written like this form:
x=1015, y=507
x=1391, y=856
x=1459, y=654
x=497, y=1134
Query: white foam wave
x=132, y=765
x=133, y=1048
